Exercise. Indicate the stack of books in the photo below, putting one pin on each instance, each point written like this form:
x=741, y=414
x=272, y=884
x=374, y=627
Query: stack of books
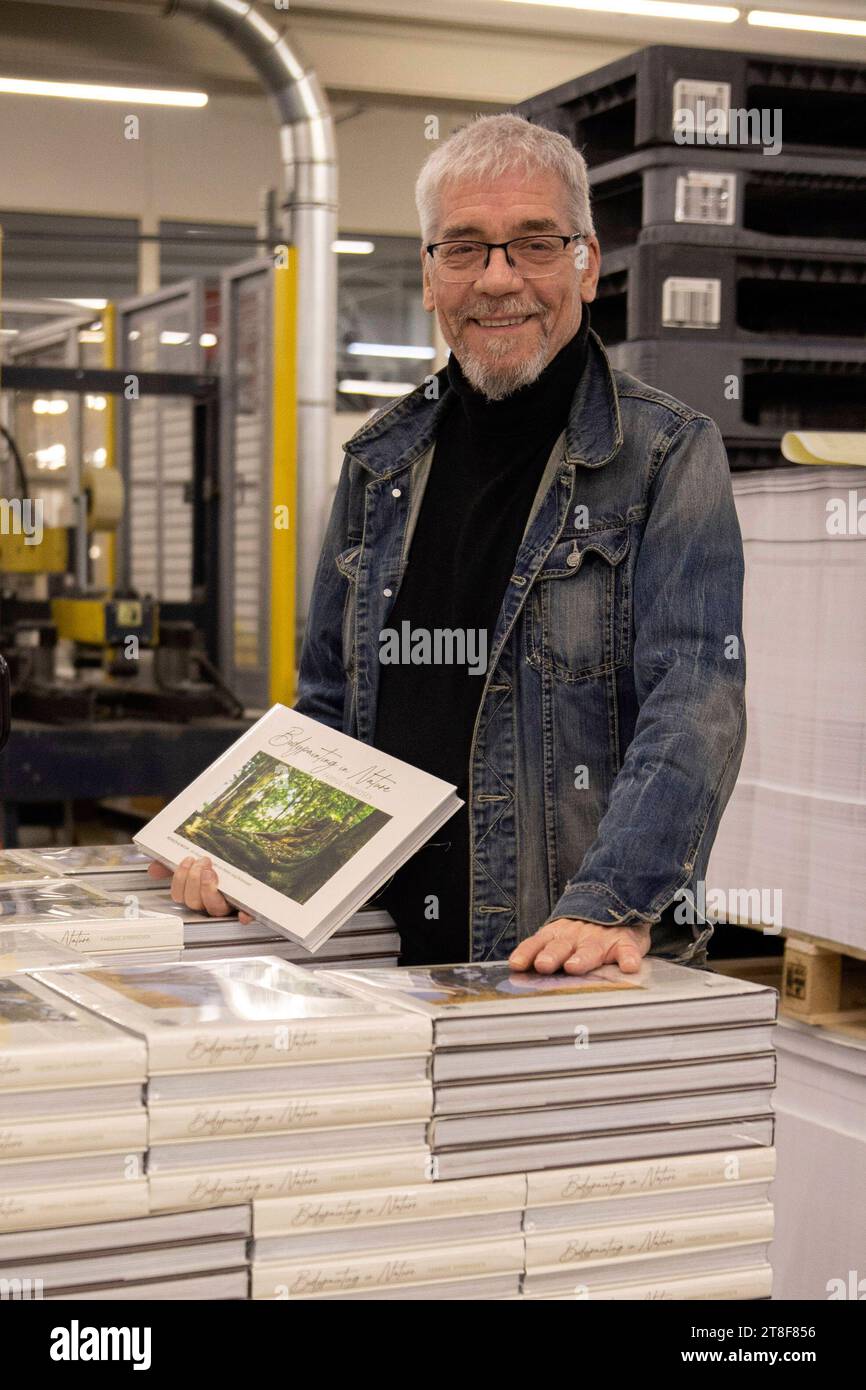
x=421, y=1241
x=534, y=1071
x=189, y=1255
x=113, y=868
x=265, y=1078
x=73, y=914
x=73, y=1127
x=684, y=1227
x=367, y=938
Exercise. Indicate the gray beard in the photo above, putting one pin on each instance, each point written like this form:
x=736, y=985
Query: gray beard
x=495, y=380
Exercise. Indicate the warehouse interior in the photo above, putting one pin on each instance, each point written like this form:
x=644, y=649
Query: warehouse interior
x=210, y=280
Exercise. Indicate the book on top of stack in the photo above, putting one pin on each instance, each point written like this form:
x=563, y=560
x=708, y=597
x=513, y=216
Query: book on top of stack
x=111, y=867
x=266, y=1078
x=186, y=1255
x=16, y=868
x=501, y=1026
x=25, y=949
x=86, y=919
x=367, y=938
x=73, y=1127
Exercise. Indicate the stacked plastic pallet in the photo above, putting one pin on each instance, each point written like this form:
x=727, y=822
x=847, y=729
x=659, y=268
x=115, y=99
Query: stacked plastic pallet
x=727, y=194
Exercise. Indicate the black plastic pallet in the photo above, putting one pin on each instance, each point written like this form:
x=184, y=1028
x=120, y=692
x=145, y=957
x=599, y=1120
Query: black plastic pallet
x=631, y=103
x=702, y=282
x=789, y=196
x=755, y=390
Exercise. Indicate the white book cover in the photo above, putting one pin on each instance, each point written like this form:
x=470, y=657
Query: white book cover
x=302, y=1279
x=406, y=1235
x=303, y=824
x=251, y=1115
x=75, y=915
x=24, y=948
x=18, y=869
x=70, y=1205
x=73, y=1134
x=553, y=1250
x=120, y=1266
x=643, y=1176
x=241, y=1013
x=125, y=1233
x=736, y=1073
x=47, y=1042
x=487, y=1002
x=288, y=1216
x=685, y=1264
x=224, y=1187
x=608, y=1211
x=230, y=1284
x=749, y=1283
x=71, y=860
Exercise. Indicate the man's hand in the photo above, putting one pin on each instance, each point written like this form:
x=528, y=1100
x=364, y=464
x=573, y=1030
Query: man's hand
x=577, y=947
x=194, y=882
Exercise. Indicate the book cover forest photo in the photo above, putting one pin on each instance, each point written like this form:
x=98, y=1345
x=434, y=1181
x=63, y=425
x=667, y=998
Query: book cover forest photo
x=284, y=827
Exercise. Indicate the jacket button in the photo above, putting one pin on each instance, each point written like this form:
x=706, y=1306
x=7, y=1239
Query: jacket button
x=387, y=593
x=396, y=492
x=573, y=559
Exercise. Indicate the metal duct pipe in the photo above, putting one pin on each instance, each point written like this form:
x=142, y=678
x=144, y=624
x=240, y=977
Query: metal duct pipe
x=309, y=220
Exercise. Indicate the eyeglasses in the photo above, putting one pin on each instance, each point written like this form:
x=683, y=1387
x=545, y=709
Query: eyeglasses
x=532, y=257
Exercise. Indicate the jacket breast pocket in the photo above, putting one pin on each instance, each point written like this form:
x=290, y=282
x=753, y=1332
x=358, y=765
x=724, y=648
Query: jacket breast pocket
x=347, y=563
x=578, y=610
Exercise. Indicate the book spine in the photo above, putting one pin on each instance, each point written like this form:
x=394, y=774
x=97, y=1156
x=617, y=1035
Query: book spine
x=223, y=1187
x=736, y=1284
x=281, y=1044
x=285, y=1114
x=80, y=1064
x=135, y=934
x=40, y=1209
x=606, y=1244
x=658, y=1175
x=289, y=1216
x=312, y=1279
x=73, y=1134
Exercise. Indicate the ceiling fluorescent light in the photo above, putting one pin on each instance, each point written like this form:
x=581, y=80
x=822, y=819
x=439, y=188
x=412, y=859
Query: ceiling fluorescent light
x=418, y=354
x=345, y=247
x=647, y=9
x=812, y=23
x=92, y=91
x=351, y=387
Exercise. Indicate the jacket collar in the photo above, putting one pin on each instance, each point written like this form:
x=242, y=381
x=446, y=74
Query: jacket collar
x=403, y=431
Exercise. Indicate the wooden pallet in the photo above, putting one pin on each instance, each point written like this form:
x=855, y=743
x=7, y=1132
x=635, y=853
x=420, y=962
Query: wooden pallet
x=824, y=984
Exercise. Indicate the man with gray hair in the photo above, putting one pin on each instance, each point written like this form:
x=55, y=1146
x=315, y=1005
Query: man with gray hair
x=584, y=523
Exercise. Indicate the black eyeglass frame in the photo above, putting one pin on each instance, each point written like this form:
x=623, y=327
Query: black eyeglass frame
x=502, y=245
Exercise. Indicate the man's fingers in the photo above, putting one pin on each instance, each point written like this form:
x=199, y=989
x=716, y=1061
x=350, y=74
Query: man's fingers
x=192, y=889
x=554, y=954
x=157, y=870
x=213, y=900
x=523, y=955
x=588, y=956
x=178, y=882
x=627, y=957
x=245, y=917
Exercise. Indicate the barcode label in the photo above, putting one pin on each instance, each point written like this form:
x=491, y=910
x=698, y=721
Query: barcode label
x=707, y=198
x=691, y=303
x=698, y=98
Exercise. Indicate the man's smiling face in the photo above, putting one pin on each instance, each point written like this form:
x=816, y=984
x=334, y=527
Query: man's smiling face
x=504, y=329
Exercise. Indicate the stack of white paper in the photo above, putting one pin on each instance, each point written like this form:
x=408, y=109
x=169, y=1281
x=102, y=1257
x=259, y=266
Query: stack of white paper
x=790, y=845
x=264, y=1078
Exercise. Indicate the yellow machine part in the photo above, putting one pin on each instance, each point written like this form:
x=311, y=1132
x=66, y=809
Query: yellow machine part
x=50, y=556
x=284, y=482
x=80, y=619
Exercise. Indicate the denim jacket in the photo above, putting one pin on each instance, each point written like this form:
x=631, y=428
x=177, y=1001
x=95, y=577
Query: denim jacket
x=612, y=719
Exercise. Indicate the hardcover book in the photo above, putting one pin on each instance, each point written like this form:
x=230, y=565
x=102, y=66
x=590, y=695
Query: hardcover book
x=49, y=1042
x=16, y=867
x=241, y=1013
x=303, y=824
x=72, y=860
x=486, y=1002
x=74, y=914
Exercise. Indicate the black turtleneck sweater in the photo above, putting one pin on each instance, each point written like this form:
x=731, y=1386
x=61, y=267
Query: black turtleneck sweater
x=486, y=467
